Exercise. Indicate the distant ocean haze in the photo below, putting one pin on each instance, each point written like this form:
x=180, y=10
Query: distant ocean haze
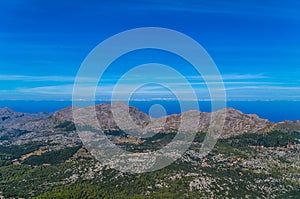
x=274, y=111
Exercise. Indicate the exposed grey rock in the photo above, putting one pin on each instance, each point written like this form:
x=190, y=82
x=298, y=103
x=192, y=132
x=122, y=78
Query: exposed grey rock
x=10, y=117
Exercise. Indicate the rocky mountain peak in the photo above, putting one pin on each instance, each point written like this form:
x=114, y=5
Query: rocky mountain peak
x=64, y=114
x=9, y=117
x=120, y=116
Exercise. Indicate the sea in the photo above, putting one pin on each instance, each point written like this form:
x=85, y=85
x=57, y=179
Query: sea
x=274, y=111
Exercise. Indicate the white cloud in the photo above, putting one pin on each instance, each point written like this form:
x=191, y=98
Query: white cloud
x=265, y=88
x=236, y=85
x=229, y=77
x=30, y=78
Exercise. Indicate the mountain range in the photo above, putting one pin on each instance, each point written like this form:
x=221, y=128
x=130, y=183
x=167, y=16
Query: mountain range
x=42, y=155
x=41, y=124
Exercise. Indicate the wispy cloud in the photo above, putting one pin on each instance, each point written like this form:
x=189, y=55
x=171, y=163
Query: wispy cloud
x=236, y=86
x=266, y=88
x=30, y=78
x=223, y=77
x=155, y=92
x=230, y=77
x=49, y=90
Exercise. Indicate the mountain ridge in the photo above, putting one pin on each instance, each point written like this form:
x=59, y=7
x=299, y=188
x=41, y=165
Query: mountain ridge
x=235, y=121
x=23, y=127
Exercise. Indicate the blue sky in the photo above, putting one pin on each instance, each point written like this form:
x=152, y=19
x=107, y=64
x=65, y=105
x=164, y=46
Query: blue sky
x=255, y=44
